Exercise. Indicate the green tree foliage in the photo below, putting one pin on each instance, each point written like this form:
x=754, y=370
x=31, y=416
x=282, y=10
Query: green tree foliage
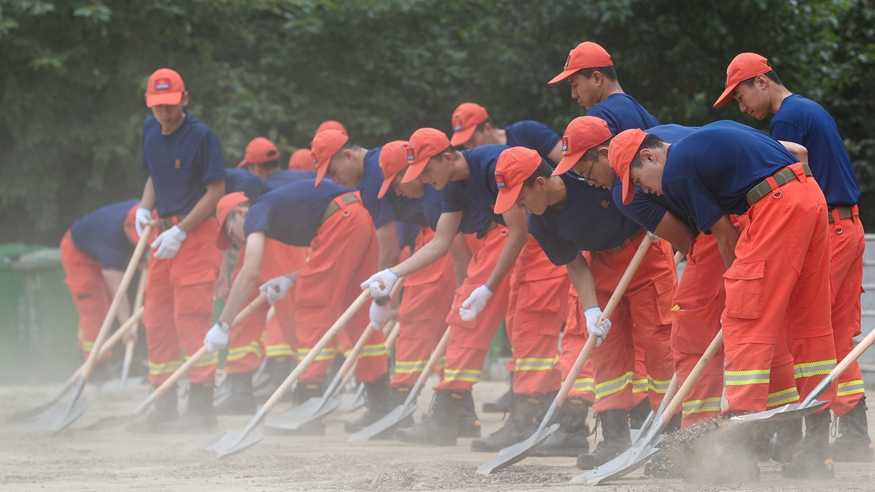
x=72, y=74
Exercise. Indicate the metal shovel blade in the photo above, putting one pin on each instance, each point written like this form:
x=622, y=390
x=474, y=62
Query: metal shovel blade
x=785, y=412
x=235, y=442
x=58, y=416
x=296, y=417
x=517, y=452
x=350, y=402
x=623, y=464
x=388, y=421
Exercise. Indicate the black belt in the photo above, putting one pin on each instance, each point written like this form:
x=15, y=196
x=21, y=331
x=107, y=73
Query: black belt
x=764, y=187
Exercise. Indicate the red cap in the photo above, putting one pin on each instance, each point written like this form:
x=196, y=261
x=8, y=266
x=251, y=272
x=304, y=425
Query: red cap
x=301, y=160
x=393, y=160
x=585, y=55
x=331, y=125
x=514, y=166
x=582, y=134
x=324, y=145
x=622, y=150
x=424, y=144
x=258, y=151
x=165, y=86
x=223, y=210
x=466, y=117
x=744, y=66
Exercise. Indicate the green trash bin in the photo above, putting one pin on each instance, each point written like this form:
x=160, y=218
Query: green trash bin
x=38, y=324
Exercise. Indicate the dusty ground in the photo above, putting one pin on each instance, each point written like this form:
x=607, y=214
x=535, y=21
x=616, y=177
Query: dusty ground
x=114, y=459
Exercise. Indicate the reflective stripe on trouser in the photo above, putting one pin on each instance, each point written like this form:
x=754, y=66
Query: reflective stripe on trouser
x=573, y=339
x=428, y=294
x=537, y=306
x=342, y=255
x=775, y=290
x=178, y=304
x=469, y=340
x=278, y=337
x=84, y=279
x=642, y=319
x=847, y=243
x=767, y=388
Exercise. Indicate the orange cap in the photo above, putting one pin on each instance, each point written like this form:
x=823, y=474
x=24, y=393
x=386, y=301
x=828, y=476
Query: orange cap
x=622, y=150
x=165, y=86
x=424, y=144
x=324, y=145
x=223, y=209
x=585, y=55
x=465, y=119
x=582, y=134
x=259, y=150
x=393, y=160
x=744, y=66
x=301, y=160
x=331, y=125
x=513, y=168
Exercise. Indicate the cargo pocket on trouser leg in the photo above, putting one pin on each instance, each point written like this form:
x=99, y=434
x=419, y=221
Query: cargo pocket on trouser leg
x=193, y=305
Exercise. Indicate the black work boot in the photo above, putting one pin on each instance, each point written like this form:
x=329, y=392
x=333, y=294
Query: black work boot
x=812, y=460
x=399, y=396
x=639, y=414
x=378, y=402
x=469, y=423
x=277, y=368
x=570, y=439
x=788, y=435
x=501, y=405
x=615, y=431
x=440, y=427
x=241, y=400
x=164, y=411
x=200, y=414
x=525, y=414
x=853, y=444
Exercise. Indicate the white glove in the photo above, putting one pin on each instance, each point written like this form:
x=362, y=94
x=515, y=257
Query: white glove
x=475, y=303
x=277, y=287
x=142, y=219
x=380, y=284
x=217, y=337
x=380, y=314
x=167, y=244
x=593, y=327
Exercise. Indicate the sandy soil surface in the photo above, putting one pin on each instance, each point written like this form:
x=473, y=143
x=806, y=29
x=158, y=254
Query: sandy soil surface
x=114, y=459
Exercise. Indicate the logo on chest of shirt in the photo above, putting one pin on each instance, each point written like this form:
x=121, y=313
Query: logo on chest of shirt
x=178, y=164
x=605, y=204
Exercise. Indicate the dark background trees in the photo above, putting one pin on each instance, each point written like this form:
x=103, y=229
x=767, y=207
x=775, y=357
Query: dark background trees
x=72, y=75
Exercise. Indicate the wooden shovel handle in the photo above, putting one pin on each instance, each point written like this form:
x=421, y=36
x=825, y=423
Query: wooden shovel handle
x=692, y=378
x=112, y=340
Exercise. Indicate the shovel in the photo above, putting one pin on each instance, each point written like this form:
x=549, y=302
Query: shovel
x=129, y=344
x=519, y=451
x=352, y=401
x=641, y=450
x=68, y=406
x=651, y=417
x=407, y=408
x=235, y=442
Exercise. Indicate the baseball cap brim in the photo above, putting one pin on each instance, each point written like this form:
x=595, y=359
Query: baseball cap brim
x=567, y=163
x=726, y=96
x=626, y=188
x=321, y=170
x=415, y=169
x=562, y=76
x=243, y=163
x=462, y=136
x=171, y=98
x=507, y=198
x=387, y=183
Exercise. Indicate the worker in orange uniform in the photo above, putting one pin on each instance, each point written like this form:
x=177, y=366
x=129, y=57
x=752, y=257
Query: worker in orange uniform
x=94, y=254
x=343, y=250
x=186, y=179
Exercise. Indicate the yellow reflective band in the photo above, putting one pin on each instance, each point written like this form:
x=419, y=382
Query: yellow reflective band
x=640, y=385
x=207, y=360
x=584, y=385
x=742, y=378
x=238, y=353
x=708, y=405
x=465, y=375
x=409, y=366
x=86, y=345
x=854, y=387
x=158, y=368
x=374, y=350
x=280, y=350
x=659, y=386
x=326, y=354
x=816, y=368
x=608, y=388
x=535, y=364
x=782, y=397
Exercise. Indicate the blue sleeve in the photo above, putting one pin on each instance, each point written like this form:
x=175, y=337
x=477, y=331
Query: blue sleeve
x=257, y=219
x=381, y=211
x=453, y=198
x=213, y=159
x=599, y=112
x=784, y=130
x=542, y=137
x=559, y=251
x=641, y=210
x=692, y=195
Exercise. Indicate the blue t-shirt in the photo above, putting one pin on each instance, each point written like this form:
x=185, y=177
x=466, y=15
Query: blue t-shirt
x=586, y=221
x=533, y=135
x=648, y=209
x=381, y=211
x=622, y=112
x=101, y=235
x=709, y=172
x=805, y=122
x=242, y=180
x=292, y=213
x=475, y=196
x=423, y=212
x=181, y=164
x=280, y=178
